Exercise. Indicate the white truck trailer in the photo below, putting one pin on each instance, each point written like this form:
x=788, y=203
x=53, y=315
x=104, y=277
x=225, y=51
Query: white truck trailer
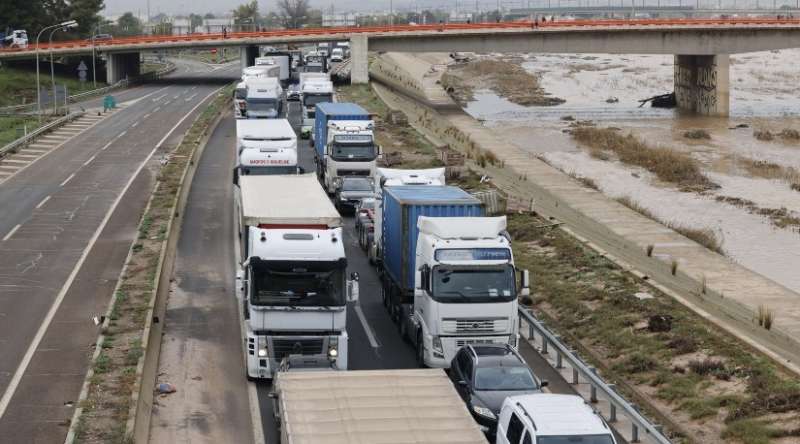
x=292, y=280
x=418, y=406
x=266, y=147
x=314, y=88
x=281, y=60
x=264, y=98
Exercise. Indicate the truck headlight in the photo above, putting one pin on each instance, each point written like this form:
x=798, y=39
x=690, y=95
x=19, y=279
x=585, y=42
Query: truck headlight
x=262, y=352
x=483, y=411
x=262, y=346
x=437, y=345
x=333, y=353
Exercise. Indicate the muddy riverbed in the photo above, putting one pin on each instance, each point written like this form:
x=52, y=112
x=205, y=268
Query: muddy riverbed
x=764, y=91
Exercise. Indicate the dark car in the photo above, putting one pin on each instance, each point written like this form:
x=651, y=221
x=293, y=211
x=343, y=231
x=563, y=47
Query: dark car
x=293, y=93
x=350, y=191
x=365, y=222
x=485, y=375
x=102, y=37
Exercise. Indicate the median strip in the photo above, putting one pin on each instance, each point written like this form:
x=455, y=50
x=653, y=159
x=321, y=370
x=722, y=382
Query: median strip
x=117, y=395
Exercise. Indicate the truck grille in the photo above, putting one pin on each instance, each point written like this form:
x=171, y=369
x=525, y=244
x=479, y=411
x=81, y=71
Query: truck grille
x=474, y=326
x=343, y=172
x=291, y=346
x=462, y=342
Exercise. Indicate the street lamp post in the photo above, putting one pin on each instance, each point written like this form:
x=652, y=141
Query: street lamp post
x=70, y=23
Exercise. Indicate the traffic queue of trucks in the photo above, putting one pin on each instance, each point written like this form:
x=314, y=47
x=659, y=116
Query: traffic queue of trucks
x=447, y=273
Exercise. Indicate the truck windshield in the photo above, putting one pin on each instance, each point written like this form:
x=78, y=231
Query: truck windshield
x=473, y=284
x=352, y=151
x=313, y=99
x=294, y=284
x=575, y=439
x=267, y=170
x=264, y=107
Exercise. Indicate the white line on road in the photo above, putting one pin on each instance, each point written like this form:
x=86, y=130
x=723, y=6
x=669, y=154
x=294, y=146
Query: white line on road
x=11, y=233
x=108, y=144
x=44, y=201
x=159, y=97
x=367, y=328
x=26, y=360
x=67, y=179
x=122, y=134
x=189, y=99
x=167, y=102
x=90, y=160
x=135, y=124
x=145, y=116
x=157, y=108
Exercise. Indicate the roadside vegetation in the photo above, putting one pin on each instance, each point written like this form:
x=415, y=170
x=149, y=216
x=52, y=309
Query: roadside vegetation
x=113, y=380
x=701, y=383
x=12, y=127
x=667, y=164
x=18, y=86
x=506, y=79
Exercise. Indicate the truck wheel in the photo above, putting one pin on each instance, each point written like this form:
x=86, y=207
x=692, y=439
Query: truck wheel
x=404, y=331
x=385, y=298
x=420, y=351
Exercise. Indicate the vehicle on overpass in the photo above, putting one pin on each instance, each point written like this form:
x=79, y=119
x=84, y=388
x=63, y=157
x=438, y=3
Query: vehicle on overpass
x=546, y=418
x=240, y=101
x=447, y=272
x=314, y=88
x=337, y=55
x=265, y=147
x=371, y=406
x=485, y=375
x=292, y=281
x=392, y=177
x=344, y=143
x=264, y=98
x=16, y=39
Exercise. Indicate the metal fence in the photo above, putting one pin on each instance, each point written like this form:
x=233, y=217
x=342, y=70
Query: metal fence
x=581, y=372
x=28, y=138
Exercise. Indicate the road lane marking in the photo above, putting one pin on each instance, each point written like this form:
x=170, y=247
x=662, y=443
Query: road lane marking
x=189, y=99
x=11, y=233
x=157, y=108
x=51, y=313
x=367, y=328
x=135, y=124
x=145, y=116
x=159, y=97
x=44, y=201
x=108, y=144
x=67, y=179
x=90, y=160
x=122, y=134
x=167, y=102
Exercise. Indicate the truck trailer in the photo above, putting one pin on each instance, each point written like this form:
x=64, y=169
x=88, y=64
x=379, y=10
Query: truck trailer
x=344, y=143
x=447, y=272
x=291, y=280
x=265, y=147
x=418, y=406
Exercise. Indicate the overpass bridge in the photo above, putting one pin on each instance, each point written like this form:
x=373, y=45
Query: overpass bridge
x=632, y=10
x=701, y=46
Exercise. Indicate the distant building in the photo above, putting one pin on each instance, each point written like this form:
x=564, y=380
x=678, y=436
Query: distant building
x=339, y=19
x=460, y=17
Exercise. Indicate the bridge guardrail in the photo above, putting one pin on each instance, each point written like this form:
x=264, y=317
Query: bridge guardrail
x=580, y=370
x=28, y=138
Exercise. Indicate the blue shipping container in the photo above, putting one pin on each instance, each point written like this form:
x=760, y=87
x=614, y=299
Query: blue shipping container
x=328, y=111
x=402, y=205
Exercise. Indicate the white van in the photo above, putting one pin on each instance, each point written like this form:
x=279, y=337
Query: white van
x=545, y=418
x=337, y=55
x=264, y=98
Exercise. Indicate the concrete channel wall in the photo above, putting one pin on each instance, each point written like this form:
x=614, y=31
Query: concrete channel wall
x=713, y=286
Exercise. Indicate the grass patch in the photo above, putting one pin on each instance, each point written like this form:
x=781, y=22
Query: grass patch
x=18, y=86
x=697, y=134
x=667, y=164
x=12, y=127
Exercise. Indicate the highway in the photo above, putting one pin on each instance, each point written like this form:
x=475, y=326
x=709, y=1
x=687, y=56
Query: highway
x=67, y=224
x=202, y=346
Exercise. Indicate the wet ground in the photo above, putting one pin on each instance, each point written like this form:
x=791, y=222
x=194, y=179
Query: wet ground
x=764, y=91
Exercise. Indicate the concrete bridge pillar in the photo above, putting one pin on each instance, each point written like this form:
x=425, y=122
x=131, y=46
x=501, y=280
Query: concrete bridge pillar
x=248, y=55
x=359, y=65
x=120, y=66
x=702, y=84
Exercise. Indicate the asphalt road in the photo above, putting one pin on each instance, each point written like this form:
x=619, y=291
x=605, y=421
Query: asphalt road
x=66, y=225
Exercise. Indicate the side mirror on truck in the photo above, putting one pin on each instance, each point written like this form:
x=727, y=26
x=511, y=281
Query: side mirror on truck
x=236, y=176
x=425, y=277
x=526, y=284
x=352, y=288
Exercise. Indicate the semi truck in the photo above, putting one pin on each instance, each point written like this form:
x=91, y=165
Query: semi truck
x=240, y=101
x=265, y=147
x=418, y=406
x=392, y=177
x=280, y=60
x=314, y=88
x=292, y=280
x=344, y=143
x=264, y=98
x=15, y=39
x=447, y=272
x=254, y=72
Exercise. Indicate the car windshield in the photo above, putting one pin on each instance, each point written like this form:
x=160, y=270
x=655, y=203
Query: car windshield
x=504, y=379
x=313, y=99
x=352, y=151
x=294, y=284
x=356, y=184
x=575, y=439
x=473, y=284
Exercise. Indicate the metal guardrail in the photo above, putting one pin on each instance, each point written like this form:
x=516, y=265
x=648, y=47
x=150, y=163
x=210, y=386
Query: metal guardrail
x=28, y=138
x=581, y=370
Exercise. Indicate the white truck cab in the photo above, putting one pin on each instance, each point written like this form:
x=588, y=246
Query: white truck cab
x=337, y=55
x=545, y=418
x=264, y=98
x=266, y=147
x=350, y=150
x=16, y=39
x=313, y=90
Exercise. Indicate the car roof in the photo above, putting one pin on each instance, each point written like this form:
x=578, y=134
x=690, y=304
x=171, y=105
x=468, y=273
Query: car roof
x=559, y=414
x=496, y=355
